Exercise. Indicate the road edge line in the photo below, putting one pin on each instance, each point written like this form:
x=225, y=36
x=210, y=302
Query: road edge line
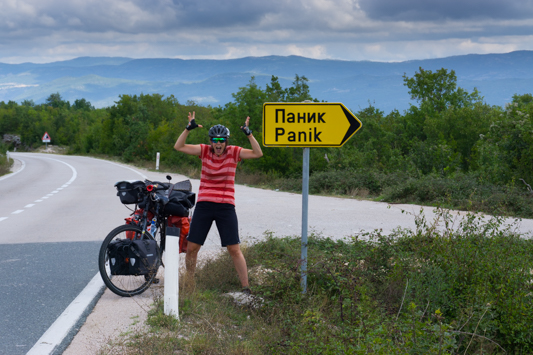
x=62, y=331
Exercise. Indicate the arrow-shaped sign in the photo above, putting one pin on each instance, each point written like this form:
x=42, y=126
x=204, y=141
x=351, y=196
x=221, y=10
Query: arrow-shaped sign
x=307, y=124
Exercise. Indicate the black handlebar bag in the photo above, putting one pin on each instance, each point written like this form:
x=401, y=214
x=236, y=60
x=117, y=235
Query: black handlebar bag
x=130, y=192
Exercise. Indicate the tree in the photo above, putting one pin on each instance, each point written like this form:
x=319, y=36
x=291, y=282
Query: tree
x=522, y=100
x=82, y=104
x=56, y=101
x=299, y=91
x=438, y=91
x=274, y=91
x=28, y=103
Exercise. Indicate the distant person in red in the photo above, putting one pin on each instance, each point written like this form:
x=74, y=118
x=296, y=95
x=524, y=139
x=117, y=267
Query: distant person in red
x=216, y=197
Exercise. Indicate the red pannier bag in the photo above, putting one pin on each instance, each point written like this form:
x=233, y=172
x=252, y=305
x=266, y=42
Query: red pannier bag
x=183, y=223
x=135, y=219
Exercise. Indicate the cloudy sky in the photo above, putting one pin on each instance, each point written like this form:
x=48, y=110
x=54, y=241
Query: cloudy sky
x=379, y=30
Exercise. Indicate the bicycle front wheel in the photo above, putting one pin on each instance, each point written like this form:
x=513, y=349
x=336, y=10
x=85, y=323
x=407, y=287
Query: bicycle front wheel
x=124, y=285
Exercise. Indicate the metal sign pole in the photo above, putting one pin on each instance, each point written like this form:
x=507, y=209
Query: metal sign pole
x=305, y=217
x=307, y=124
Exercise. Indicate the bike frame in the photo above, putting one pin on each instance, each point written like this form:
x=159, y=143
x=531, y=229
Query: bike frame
x=161, y=221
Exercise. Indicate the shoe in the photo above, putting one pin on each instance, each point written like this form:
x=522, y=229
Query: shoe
x=247, y=291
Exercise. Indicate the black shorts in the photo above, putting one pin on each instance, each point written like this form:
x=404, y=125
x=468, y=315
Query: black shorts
x=224, y=216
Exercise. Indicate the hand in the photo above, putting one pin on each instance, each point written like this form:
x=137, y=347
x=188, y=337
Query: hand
x=245, y=128
x=192, y=123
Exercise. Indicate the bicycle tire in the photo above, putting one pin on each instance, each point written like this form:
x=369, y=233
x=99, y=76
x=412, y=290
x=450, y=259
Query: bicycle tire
x=124, y=285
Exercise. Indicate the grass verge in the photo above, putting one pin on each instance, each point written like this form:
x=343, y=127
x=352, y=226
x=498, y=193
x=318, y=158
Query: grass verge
x=5, y=165
x=449, y=286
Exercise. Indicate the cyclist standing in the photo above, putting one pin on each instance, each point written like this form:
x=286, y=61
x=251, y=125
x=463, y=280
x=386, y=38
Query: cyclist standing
x=216, y=196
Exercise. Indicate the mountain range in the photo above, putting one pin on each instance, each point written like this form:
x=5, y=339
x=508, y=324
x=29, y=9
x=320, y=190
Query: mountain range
x=356, y=84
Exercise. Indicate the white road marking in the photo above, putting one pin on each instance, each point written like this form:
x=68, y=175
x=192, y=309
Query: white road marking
x=126, y=167
x=9, y=260
x=74, y=171
x=68, y=319
x=23, y=163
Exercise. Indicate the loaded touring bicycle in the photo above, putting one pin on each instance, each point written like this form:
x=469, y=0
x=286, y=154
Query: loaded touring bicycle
x=131, y=254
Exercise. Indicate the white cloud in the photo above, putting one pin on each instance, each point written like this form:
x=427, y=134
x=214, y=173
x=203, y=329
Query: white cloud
x=203, y=99
x=385, y=30
x=8, y=86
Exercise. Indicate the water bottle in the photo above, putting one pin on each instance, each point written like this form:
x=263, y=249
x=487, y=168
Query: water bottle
x=153, y=228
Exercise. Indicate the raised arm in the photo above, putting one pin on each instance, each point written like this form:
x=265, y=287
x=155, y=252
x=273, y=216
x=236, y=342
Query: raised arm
x=191, y=149
x=256, y=151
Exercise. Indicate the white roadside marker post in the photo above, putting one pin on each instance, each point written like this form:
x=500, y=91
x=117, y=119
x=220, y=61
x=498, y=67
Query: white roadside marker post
x=172, y=263
x=157, y=161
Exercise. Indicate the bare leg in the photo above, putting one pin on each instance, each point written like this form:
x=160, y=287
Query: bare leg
x=190, y=263
x=240, y=263
x=191, y=256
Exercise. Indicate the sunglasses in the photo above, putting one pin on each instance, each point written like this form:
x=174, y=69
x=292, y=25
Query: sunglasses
x=218, y=140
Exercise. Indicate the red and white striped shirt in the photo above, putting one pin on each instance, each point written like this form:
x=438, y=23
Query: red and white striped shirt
x=217, y=181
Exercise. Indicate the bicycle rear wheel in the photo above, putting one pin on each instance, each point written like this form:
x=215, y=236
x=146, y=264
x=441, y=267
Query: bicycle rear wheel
x=124, y=285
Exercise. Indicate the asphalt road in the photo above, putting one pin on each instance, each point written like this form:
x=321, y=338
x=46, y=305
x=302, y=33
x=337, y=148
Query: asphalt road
x=54, y=213
x=39, y=280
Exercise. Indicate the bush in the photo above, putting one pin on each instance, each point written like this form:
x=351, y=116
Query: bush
x=460, y=191
x=461, y=287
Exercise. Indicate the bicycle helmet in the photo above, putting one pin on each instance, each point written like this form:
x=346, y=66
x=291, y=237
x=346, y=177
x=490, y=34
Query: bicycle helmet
x=218, y=131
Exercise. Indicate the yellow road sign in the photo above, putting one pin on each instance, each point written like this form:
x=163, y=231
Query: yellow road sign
x=307, y=124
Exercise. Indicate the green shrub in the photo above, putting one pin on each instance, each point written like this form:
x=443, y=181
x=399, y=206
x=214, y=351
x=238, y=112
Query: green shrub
x=450, y=285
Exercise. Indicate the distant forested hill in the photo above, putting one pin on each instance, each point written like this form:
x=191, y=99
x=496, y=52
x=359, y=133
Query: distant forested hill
x=101, y=80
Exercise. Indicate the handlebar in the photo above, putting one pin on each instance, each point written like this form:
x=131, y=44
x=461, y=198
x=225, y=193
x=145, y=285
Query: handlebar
x=156, y=186
x=156, y=197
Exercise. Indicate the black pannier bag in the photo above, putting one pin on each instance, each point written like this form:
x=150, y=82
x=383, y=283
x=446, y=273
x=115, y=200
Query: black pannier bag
x=144, y=256
x=118, y=255
x=130, y=192
x=133, y=257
